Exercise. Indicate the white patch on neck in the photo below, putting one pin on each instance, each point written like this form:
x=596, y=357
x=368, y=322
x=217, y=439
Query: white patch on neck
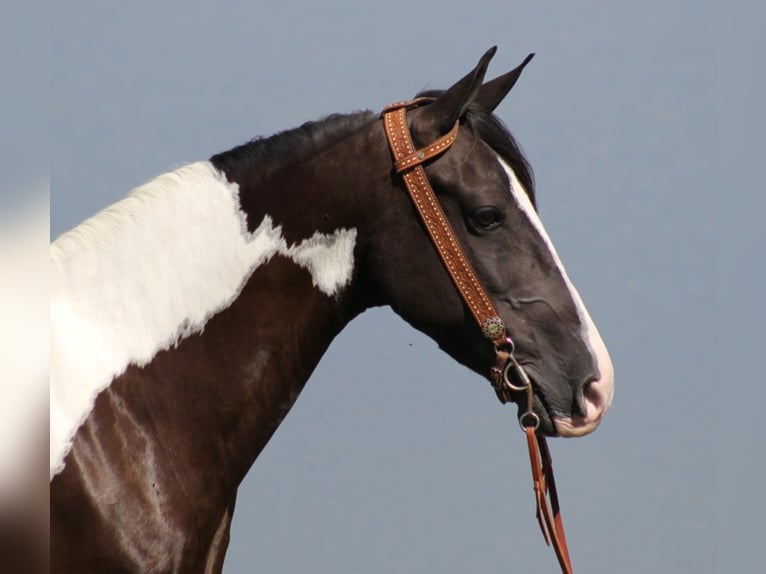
x=329, y=258
x=590, y=333
x=151, y=270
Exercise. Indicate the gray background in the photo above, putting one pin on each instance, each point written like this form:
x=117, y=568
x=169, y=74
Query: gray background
x=644, y=124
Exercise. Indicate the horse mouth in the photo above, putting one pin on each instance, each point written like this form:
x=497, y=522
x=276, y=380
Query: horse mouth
x=552, y=422
x=543, y=412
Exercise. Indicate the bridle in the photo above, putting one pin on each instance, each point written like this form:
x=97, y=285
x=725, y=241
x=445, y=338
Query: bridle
x=408, y=163
x=507, y=376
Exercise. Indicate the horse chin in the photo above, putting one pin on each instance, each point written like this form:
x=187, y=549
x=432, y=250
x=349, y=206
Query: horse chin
x=554, y=424
x=575, y=426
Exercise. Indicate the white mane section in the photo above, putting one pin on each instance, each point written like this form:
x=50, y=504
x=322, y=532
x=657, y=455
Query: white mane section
x=151, y=270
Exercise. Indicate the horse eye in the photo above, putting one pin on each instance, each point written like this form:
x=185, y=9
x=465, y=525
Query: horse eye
x=486, y=217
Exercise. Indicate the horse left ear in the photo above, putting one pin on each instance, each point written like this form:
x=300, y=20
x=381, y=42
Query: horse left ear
x=492, y=93
x=453, y=102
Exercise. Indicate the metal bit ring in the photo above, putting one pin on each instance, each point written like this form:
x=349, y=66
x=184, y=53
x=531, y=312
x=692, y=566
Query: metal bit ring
x=513, y=364
x=524, y=420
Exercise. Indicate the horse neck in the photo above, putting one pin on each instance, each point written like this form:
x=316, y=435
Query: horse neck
x=251, y=363
x=182, y=332
x=210, y=317
x=293, y=306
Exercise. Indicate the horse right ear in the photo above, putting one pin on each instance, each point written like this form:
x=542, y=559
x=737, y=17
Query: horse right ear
x=492, y=93
x=441, y=115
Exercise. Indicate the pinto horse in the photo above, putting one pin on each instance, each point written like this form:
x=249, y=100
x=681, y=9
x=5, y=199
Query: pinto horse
x=186, y=319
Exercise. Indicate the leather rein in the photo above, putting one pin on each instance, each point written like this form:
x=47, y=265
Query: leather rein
x=507, y=376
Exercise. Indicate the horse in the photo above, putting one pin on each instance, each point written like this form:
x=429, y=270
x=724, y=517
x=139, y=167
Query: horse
x=187, y=318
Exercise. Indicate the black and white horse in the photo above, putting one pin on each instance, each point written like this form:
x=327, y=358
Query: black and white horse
x=186, y=319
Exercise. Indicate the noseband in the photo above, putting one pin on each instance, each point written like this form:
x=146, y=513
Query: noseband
x=507, y=376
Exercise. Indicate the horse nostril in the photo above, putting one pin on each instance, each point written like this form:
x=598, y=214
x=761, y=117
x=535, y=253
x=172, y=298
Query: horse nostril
x=591, y=400
x=587, y=398
x=593, y=394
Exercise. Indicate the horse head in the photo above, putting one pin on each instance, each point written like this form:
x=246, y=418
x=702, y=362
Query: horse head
x=486, y=190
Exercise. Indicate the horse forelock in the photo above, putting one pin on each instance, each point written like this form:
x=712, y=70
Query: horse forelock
x=493, y=131
x=497, y=136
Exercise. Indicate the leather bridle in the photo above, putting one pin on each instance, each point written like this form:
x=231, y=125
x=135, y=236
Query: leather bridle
x=507, y=376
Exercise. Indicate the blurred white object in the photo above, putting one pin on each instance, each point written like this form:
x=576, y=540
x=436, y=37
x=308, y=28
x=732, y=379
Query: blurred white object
x=24, y=238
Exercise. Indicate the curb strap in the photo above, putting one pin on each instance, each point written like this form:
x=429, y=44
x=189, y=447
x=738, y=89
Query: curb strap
x=408, y=163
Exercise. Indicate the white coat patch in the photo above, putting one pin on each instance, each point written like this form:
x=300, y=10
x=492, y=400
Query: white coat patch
x=151, y=270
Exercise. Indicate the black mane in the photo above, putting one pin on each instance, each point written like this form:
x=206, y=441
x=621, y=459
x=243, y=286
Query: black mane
x=494, y=133
x=266, y=155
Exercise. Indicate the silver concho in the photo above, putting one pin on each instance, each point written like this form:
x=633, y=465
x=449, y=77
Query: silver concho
x=493, y=328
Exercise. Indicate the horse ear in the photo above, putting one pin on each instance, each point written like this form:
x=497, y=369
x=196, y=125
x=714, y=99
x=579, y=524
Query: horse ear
x=452, y=103
x=492, y=93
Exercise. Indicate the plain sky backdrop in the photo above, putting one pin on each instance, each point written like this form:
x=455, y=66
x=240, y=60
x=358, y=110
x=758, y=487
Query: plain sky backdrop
x=644, y=123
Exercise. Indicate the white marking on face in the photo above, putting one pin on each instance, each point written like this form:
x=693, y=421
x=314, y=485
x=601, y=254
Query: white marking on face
x=599, y=396
x=151, y=270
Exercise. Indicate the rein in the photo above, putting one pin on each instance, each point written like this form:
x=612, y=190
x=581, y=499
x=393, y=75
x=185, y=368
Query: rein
x=506, y=375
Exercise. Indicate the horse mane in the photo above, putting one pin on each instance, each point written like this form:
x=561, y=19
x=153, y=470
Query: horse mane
x=266, y=155
x=101, y=228
x=496, y=135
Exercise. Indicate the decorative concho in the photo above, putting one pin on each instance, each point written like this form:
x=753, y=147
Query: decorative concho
x=493, y=328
